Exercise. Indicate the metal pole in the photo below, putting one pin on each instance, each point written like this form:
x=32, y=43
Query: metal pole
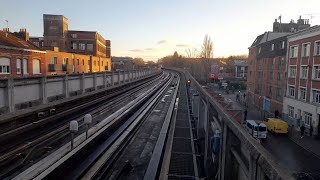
x=72, y=136
x=87, y=127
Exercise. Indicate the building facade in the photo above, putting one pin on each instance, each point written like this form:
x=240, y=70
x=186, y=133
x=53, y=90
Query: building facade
x=291, y=26
x=302, y=101
x=57, y=35
x=122, y=63
x=266, y=72
x=19, y=58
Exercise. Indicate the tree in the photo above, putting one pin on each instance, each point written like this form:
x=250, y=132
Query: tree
x=192, y=53
x=207, y=47
x=138, y=61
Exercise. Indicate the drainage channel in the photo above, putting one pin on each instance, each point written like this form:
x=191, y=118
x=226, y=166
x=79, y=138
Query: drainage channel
x=181, y=158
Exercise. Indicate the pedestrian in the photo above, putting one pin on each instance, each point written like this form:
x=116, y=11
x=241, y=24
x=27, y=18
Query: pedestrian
x=244, y=96
x=302, y=129
x=245, y=115
x=276, y=113
x=237, y=97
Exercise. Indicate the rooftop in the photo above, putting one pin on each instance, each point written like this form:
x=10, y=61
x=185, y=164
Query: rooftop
x=7, y=39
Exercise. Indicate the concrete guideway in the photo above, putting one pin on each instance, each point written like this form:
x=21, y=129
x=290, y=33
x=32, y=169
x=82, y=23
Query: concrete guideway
x=63, y=153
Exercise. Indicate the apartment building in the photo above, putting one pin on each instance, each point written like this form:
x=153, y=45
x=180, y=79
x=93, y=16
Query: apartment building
x=302, y=100
x=56, y=34
x=266, y=71
x=19, y=58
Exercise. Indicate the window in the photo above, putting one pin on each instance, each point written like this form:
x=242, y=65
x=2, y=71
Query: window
x=291, y=91
x=78, y=62
x=282, y=62
x=36, y=66
x=65, y=61
x=74, y=45
x=292, y=71
x=290, y=111
x=54, y=60
x=82, y=46
x=282, y=45
x=316, y=73
x=4, y=65
x=279, y=92
x=74, y=35
x=307, y=118
x=89, y=62
x=279, y=76
x=302, y=93
x=101, y=63
x=317, y=48
x=90, y=47
x=18, y=65
x=305, y=50
x=259, y=50
x=94, y=63
x=272, y=47
x=304, y=72
x=316, y=96
x=25, y=66
x=82, y=61
x=294, y=51
x=270, y=90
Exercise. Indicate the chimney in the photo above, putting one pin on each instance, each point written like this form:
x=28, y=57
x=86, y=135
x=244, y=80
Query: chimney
x=22, y=34
x=6, y=29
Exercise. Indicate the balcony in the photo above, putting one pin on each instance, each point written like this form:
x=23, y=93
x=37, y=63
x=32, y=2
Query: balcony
x=67, y=67
x=54, y=67
x=60, y=67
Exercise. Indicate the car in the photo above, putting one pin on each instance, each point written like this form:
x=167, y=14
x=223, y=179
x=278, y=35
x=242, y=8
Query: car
x=256, y=129
x=277, y=126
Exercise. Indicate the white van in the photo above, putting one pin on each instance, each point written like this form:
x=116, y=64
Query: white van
x=256, y=130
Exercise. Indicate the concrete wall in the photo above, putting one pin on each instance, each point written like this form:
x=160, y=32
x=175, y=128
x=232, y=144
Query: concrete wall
x=22, y=93
x=240, y=156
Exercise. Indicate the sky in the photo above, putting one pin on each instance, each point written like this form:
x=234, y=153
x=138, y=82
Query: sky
x=151, y=29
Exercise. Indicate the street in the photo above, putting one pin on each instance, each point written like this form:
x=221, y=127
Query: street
x=285, y=150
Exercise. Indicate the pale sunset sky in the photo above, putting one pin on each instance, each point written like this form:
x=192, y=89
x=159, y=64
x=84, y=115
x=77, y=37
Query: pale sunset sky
x=152, y=29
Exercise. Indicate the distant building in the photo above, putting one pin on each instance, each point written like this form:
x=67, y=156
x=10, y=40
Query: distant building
x=291, y=26
x=122, y=63
x=266, y=71
x=57, y=35
x=19, y=58
x=241, y=69
x=301, y=104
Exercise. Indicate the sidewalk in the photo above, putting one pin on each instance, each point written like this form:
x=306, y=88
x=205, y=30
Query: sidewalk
x=308, y=143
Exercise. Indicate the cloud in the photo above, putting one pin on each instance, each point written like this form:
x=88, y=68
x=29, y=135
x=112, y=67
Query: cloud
x=182, y=45
x=136, y=50
x=148, y=49
x=162, y=42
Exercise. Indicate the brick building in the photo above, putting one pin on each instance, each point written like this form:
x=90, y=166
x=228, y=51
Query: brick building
x=291, y=26
x=302, y=100
x=57, y=35
x=19, y=58
x=266, y=71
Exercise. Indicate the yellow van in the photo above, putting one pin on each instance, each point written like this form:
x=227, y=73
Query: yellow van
x=276, y=125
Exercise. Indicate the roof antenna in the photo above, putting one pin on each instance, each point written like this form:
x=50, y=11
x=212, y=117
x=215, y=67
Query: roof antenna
x=7, y=23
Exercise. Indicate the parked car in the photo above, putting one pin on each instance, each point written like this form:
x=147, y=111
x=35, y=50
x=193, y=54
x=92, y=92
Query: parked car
x=276, y=125
x=256, y=129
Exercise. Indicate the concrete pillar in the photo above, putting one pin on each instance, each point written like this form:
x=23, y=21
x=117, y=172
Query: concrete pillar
x=105, y=76
x=43, y=90
x=65, y=86
x=223, y=153
x=10, y=95
x=95, y=81
x=206, y=135
x=124, y=76
x=82, y=86
x=112, y=78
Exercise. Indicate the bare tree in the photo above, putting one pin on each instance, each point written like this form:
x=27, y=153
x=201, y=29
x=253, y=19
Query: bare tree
x=192, y=53
x=207, y=47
